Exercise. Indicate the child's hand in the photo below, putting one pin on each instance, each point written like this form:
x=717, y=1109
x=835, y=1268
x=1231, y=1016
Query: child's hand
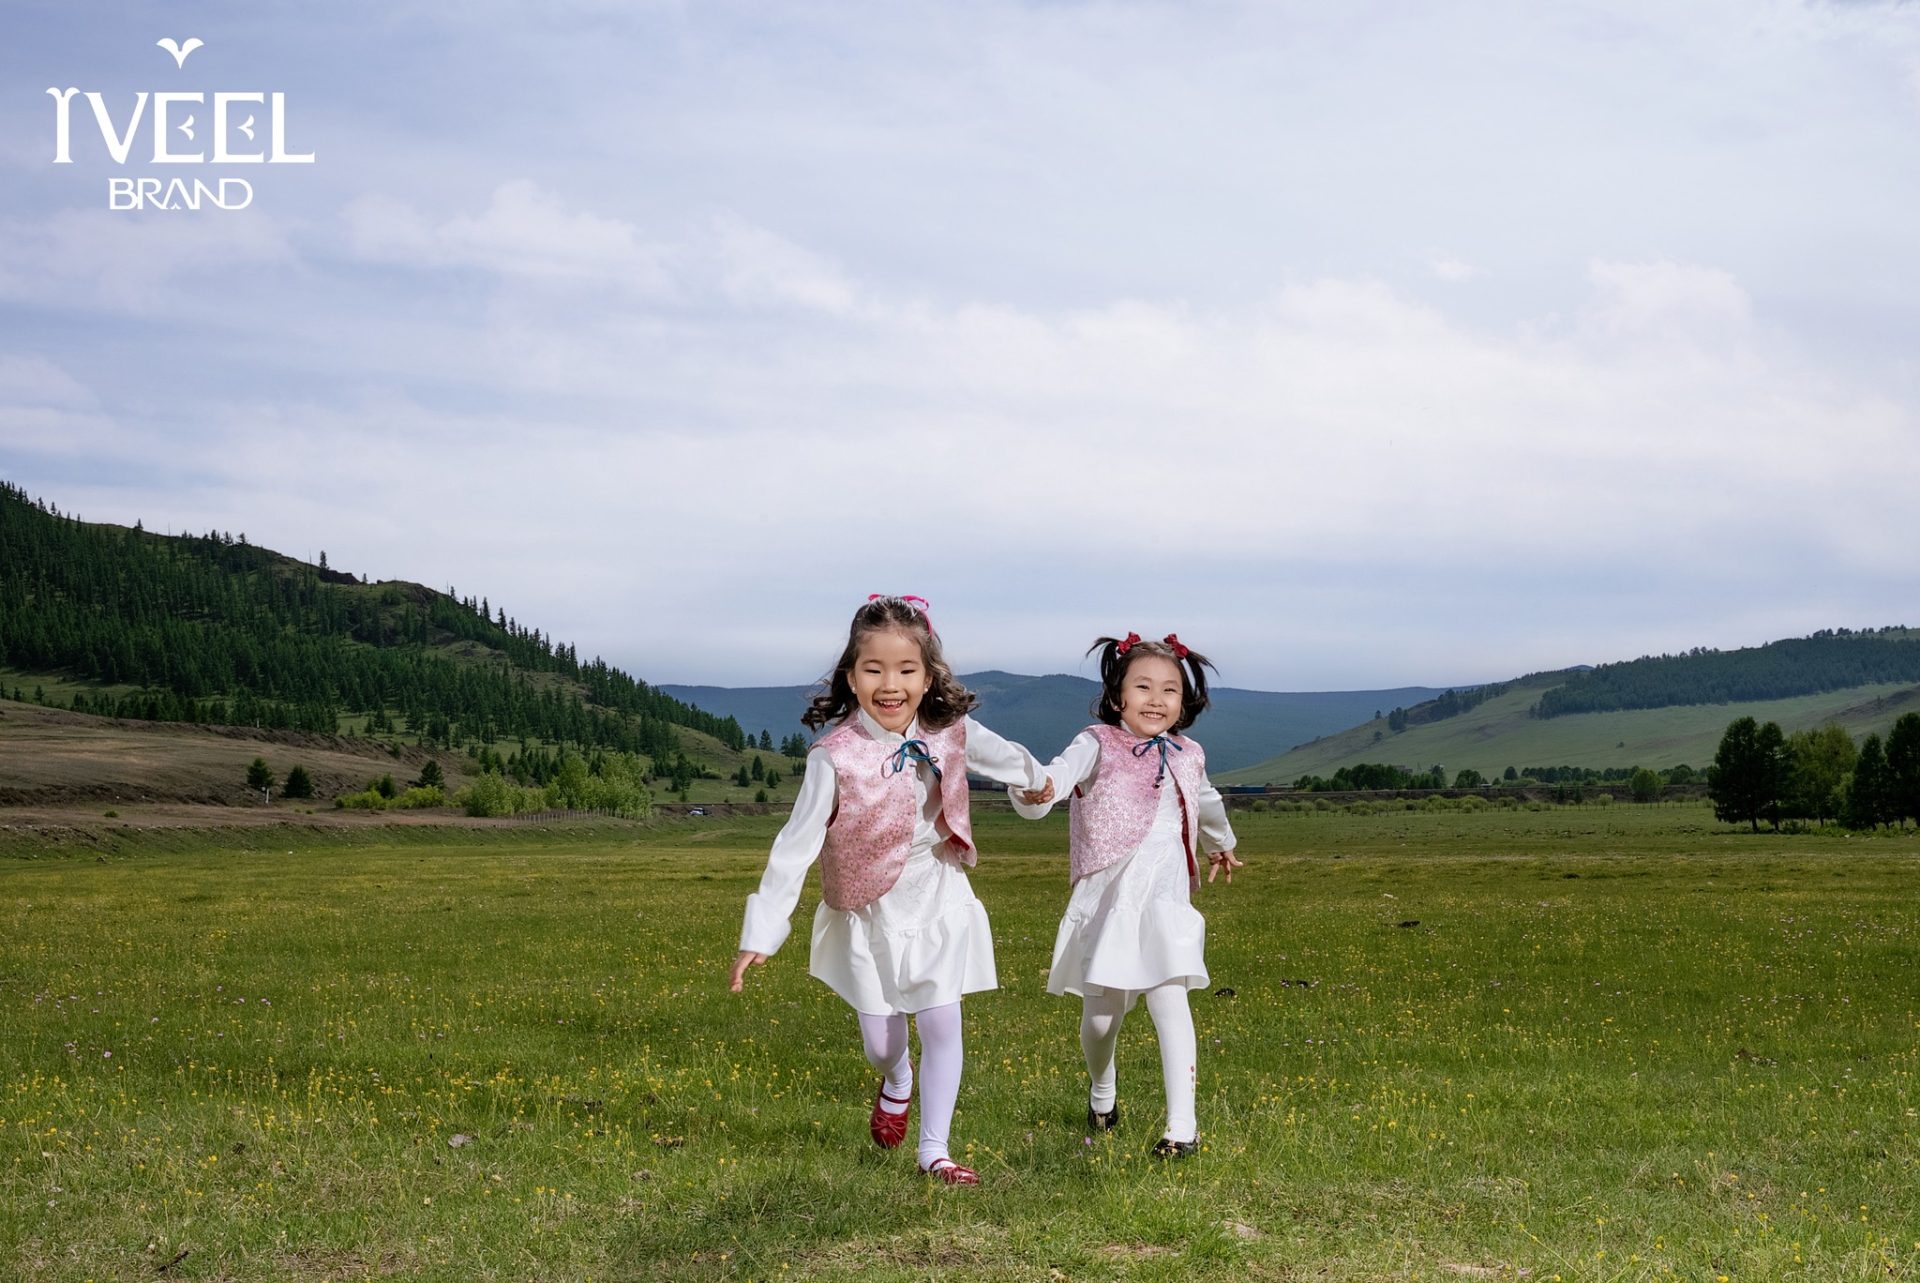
x=746, y=958
x=1036, y=797
x=1218, y=862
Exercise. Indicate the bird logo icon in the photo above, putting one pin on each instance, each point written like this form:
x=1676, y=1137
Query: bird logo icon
x=178, y=49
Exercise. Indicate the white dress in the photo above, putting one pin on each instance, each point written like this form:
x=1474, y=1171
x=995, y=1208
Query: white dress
x=926, y=941
x=1132, y=926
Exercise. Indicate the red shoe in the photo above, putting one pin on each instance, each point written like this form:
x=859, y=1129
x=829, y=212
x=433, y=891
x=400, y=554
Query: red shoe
x=952, y=1173
x=888, y=1129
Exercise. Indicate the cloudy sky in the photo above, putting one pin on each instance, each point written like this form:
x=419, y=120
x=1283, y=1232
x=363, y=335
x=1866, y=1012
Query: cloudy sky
x=1362, y=344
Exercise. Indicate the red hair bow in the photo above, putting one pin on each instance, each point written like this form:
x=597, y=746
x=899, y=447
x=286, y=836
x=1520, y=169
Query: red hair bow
x=1179, y=647
x=1132, y=639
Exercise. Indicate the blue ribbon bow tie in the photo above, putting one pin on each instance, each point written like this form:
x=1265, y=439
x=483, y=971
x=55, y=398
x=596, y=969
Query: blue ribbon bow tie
x=909, y=751
x=1144, y=746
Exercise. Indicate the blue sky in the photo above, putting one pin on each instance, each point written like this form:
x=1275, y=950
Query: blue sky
x=1363, y=345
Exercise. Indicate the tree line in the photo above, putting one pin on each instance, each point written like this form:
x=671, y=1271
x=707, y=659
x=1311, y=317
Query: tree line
x=1761, y=773
x=214, y=629
x=1369, y=776
x=1438, y=709
x=1833, y=659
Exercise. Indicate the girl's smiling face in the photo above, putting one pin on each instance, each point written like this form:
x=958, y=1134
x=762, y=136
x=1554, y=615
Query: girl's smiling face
x=1150, y=696
x=889, y=678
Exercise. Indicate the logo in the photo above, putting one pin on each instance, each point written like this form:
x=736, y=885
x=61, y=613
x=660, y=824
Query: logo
x=177, y=134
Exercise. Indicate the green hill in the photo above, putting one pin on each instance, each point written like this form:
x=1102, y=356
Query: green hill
x=1505, y=731
x=210, y=629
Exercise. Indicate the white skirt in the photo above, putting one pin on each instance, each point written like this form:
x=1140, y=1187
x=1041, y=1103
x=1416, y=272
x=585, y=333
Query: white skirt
x=1132, y=926
x=923, y=944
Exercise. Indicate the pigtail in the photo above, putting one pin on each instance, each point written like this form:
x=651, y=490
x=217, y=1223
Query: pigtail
x=1194, y=665
x=1106, y=705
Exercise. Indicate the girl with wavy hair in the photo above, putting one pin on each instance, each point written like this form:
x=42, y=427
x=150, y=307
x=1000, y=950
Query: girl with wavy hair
x=883, y=808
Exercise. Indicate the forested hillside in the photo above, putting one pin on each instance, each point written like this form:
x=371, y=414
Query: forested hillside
x=1831, y=660
x=209, y=628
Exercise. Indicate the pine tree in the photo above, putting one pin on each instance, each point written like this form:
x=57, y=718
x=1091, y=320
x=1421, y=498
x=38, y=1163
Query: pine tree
x=1869, y=800
x=1903, y=769
x=1748, y=777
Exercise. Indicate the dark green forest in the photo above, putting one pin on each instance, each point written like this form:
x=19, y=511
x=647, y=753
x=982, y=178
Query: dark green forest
x=1830, y=660
x=212, y=629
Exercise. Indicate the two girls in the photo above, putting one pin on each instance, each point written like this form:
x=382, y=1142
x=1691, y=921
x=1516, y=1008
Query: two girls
x=899, y=932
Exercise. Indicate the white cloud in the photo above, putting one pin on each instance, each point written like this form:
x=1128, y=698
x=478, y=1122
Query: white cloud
x=1664, y=301
x=32, y=379
x=524, y=234
x=758, y=267
x=136, y=262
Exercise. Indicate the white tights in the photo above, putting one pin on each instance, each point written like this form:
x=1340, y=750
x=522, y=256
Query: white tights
x=941, y=1056
x=1100, y=1017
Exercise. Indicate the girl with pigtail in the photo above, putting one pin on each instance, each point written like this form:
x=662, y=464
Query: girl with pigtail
x=1142, y=810
x=883, y=807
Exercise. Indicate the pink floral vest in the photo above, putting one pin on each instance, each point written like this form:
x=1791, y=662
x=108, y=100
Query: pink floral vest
x=870, y=833
x=1111, y=816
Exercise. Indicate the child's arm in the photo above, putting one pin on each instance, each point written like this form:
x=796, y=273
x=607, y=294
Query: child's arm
x=770, y=909
x=999, y=758
x=1216, y=835
x=1076, y=765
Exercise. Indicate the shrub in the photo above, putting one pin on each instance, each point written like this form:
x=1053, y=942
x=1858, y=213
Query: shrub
x=493, y=794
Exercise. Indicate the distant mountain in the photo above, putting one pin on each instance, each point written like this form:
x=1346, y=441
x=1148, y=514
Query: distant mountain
x=1241, y=728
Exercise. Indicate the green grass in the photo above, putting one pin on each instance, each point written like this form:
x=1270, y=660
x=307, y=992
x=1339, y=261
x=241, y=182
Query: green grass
x=1621, y=1043
x=1499, y=734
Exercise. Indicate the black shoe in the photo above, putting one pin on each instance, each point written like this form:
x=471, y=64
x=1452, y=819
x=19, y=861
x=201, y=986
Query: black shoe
x=1099, y=1122
x=1164, y=1148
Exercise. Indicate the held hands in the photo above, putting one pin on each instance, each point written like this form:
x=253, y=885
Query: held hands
x=1035, y=797
x=746, y=958
x=1218, y=862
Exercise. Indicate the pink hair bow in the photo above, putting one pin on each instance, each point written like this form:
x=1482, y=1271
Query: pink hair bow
x=918, y=603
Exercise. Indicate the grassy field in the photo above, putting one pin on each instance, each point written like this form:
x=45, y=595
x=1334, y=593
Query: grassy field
x=1585, y=1043
x=1499, y=734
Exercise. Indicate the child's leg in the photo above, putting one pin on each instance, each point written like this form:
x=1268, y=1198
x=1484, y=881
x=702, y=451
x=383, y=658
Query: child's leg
x=941, y=1056
x=886, y=1042
x=1173, y=1023
x=1100, y=1017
